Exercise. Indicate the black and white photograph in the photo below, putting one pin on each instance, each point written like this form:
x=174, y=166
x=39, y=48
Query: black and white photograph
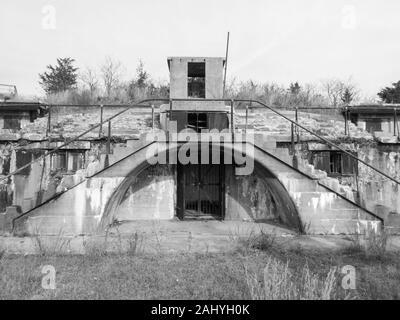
x=196, y=157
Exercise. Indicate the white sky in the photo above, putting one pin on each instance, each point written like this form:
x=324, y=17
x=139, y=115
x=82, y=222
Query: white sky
x=276, y=41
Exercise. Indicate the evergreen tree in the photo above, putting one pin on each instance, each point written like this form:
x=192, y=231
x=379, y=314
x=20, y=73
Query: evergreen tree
x=391, y=94
x=294, y=88
x=60, y=77
x=347, y=96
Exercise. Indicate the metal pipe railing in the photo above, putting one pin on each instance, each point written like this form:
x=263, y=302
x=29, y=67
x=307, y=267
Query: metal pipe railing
x=232, y=101
x=325, y=140
x=79, y=136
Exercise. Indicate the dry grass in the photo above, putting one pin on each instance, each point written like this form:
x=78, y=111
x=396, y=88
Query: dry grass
x=57, y=245
x=276, y=274
x=253, y=240
x=135, y=244
x=264, y=269
x=372, y=245
x=94, y=247
x=280, y=283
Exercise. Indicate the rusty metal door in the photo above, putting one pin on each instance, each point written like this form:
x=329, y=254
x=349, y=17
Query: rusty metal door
x=202, y=191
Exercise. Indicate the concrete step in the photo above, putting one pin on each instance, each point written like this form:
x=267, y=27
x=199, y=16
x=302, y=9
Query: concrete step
x=343, y=226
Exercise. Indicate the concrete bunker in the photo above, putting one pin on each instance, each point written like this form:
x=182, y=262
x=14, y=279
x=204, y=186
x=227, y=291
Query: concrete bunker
x=215, y=192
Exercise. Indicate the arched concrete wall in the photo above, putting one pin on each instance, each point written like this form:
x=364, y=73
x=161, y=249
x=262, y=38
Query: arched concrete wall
x=259, y=196
x=145, y=195
x=87, y=206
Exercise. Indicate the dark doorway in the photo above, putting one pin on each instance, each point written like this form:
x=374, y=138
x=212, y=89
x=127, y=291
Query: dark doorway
x=200, y=191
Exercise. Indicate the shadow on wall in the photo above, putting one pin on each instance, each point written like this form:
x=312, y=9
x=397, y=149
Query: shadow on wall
x=260, y=197
x=147, y=193
x=150, y=193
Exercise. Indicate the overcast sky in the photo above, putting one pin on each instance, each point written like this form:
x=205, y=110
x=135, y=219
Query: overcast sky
x=276, y=41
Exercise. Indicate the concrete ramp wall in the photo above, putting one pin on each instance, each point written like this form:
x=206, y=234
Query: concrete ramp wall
x=86, y=207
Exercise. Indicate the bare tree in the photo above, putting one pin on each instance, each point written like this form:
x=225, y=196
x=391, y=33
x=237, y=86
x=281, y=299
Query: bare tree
x=111, y=72
x=333, y=89
x=90, y=78
x=340, y=92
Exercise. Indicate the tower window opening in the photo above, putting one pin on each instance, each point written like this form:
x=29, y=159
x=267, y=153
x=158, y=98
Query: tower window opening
x=197, y=121
x=196, y=79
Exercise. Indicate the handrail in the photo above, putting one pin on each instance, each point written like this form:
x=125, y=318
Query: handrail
x=210, y=100
x=77, y=137
x=323, y=139
x=300, y=126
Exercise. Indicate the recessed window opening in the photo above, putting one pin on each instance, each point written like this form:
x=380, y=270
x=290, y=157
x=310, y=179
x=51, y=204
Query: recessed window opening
x=196, y=79
x=67, y=161
x=335, y=162
x=12, y=122
x=197, y=121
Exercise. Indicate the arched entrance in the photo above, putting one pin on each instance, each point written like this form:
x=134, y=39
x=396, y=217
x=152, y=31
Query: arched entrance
x=198, y=191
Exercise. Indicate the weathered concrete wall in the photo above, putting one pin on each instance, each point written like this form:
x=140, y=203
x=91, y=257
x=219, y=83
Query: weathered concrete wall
x=258, y=197
x=214, y=78
x=77, y=211
x=375, y=189
x=179, y=77
x=6, y=191
x=40, y=181
x=152, y=195
x=315, y=209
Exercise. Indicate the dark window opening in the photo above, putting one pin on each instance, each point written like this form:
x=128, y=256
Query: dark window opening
x=197, y=121
x=373, y=125
x=11, y=122
x=334, y=163
x=77, y=161
x=23, y=158
x=68, y=161
x=59, y=161
x=196, y=79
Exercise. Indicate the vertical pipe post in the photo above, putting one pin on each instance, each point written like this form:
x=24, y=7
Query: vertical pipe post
x=395, y=122
x=292, y=137
x=49, y=123
x=232, y=122
x=152, y=117
x=101, y=121
x=108, y=146
x=169, y=118
x=226, y=64
x=297, y=121
x=247, y=114
x=355, y=170
x=295, y=162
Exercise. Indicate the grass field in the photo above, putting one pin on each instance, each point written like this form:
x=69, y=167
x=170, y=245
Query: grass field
x=307, y=273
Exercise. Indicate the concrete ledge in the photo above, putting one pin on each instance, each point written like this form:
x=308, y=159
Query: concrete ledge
x=6, y=219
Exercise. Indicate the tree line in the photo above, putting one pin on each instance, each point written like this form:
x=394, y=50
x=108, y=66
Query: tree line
x=65, y=83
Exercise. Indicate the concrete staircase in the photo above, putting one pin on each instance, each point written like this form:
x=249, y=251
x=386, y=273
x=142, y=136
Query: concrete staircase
x=79, y=207
x=324, y=204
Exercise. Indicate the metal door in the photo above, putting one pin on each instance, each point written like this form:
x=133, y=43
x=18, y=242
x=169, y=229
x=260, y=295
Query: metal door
x=201, y=191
